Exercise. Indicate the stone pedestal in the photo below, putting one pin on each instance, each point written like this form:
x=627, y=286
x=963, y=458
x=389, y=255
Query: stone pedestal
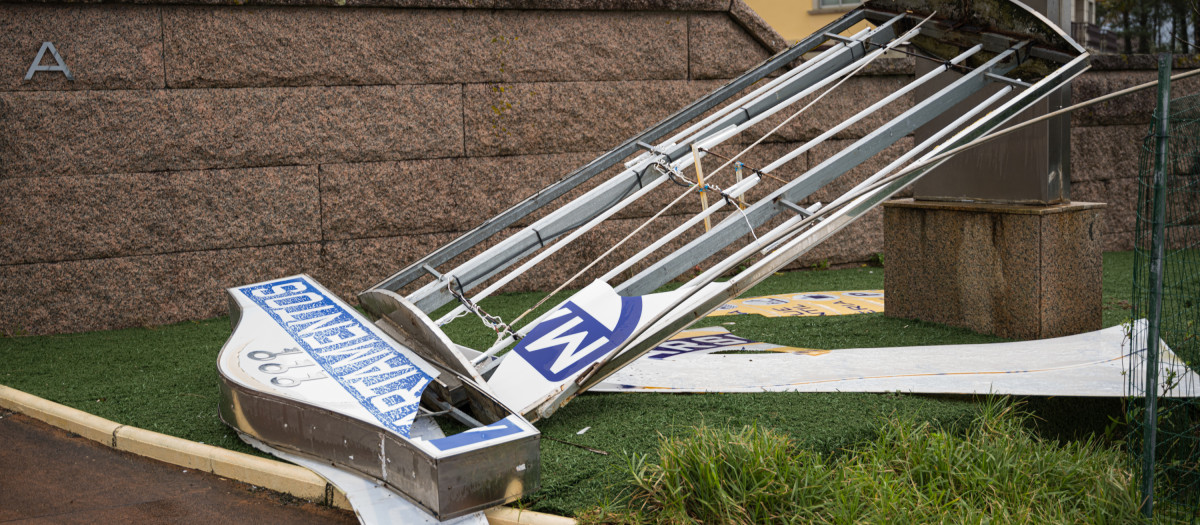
x=1016, y=271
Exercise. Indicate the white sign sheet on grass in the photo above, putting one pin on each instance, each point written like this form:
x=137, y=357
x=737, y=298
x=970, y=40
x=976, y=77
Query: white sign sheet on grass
x=1088, y=364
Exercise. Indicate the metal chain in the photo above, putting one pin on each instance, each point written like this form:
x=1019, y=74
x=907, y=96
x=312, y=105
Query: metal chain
x=491, y=321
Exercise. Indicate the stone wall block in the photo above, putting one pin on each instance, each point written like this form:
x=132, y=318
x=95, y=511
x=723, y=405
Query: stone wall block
x=1105, y=152
x=571, y=46
x=1130, y=109
x=274, y=46
x=615, y=5
x=105, y=47
x=350, y=266
x=855, y=243
x=1072, y=273
x=514, y=119
x=720, y=48
x=65, y=218
x=221, y=128
x=563, y=165
x=240, y=47
x=1121, y=195
x=1118, y=241
x=1134, y=108
x=58, y=133
x=844, y=183
x=103, y=294
x=431, y=196
x=71, y=133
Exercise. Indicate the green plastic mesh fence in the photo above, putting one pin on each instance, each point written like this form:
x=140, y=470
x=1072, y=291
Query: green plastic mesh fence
x=1175, y=458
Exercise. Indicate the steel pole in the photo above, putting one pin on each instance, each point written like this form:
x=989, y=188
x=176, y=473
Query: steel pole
x=1158, y=227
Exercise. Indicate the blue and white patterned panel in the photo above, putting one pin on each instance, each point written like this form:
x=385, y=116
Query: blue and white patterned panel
x=384, y=381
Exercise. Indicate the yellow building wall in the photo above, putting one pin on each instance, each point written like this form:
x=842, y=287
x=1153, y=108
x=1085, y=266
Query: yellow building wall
x=796, y=19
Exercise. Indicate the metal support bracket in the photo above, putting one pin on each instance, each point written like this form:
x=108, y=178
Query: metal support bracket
x=1006, y=80
x=795, y=208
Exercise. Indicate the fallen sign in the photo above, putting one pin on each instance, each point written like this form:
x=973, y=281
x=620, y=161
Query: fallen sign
x=713, y=340
x=1089, y=365
x=810, y=304
x=308, y=375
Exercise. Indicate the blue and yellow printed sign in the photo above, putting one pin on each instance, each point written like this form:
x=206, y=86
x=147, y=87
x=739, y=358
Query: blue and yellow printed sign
x=806, y=304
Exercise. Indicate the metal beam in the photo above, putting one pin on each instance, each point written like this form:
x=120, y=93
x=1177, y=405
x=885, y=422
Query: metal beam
x=612, y=157
x=734, y=228
x=722, y=292
x=521, y=244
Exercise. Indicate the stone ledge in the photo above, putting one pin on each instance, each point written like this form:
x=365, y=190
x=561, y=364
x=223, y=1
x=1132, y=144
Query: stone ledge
x=737, y=9
x=756, y=26
x=589, y=5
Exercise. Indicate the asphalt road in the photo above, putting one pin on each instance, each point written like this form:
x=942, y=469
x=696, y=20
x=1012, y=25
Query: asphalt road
x=50, y=476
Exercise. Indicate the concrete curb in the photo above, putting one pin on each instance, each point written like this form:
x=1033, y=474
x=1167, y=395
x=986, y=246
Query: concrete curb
x=269, y=474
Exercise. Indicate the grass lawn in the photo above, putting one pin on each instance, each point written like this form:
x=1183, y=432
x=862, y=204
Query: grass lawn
x=164, y=379
x=996, y=470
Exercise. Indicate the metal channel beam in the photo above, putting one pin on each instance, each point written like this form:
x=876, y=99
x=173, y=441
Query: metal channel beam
x=734, y=228
x=597, y=166
x=763, y=104
x=497, y=258
x=583, y=209
x=797, y=247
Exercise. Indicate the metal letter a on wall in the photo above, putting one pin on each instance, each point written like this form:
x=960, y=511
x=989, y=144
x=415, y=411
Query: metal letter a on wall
x=60, y=66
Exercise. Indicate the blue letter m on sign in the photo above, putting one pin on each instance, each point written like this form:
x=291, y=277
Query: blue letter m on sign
x=572, y=339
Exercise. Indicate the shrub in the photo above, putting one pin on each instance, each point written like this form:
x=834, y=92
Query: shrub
x=996, y=471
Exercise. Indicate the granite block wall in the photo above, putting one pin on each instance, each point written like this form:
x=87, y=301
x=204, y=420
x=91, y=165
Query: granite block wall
x=1106, y=139
x=204, y=145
